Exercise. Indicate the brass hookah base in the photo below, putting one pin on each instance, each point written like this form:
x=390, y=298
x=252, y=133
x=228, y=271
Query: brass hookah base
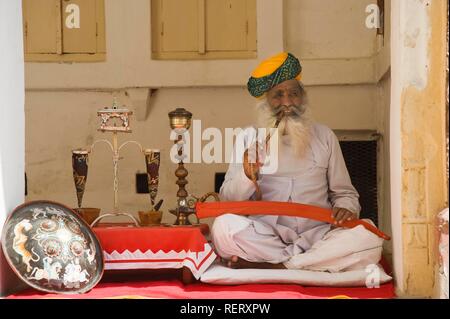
x=182, y=214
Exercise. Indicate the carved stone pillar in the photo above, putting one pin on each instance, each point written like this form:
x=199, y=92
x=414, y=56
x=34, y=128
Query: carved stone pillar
x=418, y=157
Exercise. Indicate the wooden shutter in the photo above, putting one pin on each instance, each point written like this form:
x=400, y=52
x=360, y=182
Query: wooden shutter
x=84, y=38
x=203, y=29
x=42, y=28
x=226, y=25
x=180, y=25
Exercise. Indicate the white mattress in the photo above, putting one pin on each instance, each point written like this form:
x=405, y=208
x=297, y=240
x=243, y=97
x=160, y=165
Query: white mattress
x=221, y=275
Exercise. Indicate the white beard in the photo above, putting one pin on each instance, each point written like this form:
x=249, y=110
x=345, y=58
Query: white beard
x=297, y=128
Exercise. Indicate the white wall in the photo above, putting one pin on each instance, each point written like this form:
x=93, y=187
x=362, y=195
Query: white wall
x=128, y=55
x=329, y=29
x=12, y=126
x=329, y=36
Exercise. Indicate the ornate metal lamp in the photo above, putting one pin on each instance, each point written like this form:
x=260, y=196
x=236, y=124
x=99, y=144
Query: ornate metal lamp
x=113, y=120
x=110, y=117
x=180, y=122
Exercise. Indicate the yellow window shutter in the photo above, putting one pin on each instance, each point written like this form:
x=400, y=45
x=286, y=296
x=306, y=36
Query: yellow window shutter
x=251, y=25
x=79, y=26
x=101, y=32
x=42, y=31
x=226, y=25
x=203, y=29
x=180, y=25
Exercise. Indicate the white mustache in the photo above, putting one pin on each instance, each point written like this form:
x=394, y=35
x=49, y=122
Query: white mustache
x=289, y=111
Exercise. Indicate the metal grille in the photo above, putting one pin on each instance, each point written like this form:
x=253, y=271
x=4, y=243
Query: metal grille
x=361, y=160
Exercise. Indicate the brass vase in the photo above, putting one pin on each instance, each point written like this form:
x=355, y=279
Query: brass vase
x=152, y=161
x=80, y=171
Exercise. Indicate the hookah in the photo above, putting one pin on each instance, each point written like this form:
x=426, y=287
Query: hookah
x=180, y=122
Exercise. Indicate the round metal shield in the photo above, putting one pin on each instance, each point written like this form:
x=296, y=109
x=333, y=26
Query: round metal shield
x=52, y=249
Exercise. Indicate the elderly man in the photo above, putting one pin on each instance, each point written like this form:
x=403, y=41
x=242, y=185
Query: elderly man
x=311, y=170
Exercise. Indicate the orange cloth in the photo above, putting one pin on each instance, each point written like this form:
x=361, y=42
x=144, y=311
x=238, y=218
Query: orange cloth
x=215, y=209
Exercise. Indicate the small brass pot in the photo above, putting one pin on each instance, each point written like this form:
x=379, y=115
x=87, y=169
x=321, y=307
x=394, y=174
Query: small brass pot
x=89, y=214
x=150, y=217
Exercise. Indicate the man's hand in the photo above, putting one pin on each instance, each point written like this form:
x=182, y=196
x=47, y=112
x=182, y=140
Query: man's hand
x=253, y=159
x=341, y=214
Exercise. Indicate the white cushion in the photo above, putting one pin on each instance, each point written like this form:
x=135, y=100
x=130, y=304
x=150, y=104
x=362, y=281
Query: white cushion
x=221, y=275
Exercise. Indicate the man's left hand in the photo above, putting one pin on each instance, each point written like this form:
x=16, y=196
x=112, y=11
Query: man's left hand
x=341, y=214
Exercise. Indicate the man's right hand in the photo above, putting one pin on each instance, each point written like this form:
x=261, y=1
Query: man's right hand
x=253, y=160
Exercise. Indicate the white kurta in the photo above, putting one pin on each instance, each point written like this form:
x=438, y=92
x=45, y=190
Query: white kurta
x=319, y=178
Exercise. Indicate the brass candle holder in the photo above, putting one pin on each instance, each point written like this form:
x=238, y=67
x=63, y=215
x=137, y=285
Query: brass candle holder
x=180, y=122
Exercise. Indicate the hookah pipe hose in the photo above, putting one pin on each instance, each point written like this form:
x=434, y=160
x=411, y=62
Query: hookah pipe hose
x=258, y=194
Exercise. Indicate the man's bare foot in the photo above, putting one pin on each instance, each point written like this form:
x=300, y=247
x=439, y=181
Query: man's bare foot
x=238, y=263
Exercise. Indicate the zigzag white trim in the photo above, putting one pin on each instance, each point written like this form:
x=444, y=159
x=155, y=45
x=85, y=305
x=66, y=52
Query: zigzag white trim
x=197, y=262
